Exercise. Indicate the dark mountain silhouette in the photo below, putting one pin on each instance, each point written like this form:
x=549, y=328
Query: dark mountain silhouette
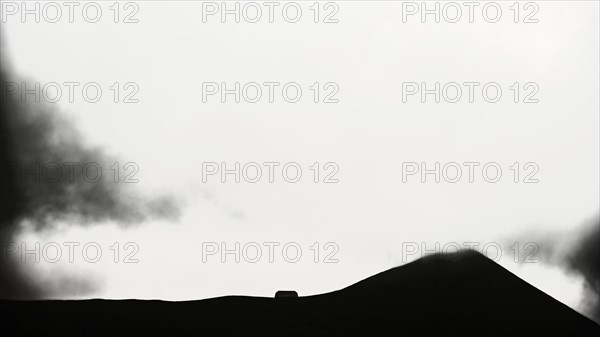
x=461, y=294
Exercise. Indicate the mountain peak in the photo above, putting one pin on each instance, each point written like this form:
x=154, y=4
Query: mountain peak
x=463, y=294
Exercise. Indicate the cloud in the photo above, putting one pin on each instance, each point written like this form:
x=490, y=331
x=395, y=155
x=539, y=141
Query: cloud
x=32, y=136
x=584, y=259
x=578, y=253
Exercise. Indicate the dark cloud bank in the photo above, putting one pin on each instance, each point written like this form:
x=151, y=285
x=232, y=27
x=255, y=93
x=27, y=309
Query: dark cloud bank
x=584, y=259
x=578, y=253
x=33, y=134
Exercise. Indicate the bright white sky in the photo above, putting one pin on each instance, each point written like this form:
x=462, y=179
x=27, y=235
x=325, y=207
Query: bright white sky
x=369, y=134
